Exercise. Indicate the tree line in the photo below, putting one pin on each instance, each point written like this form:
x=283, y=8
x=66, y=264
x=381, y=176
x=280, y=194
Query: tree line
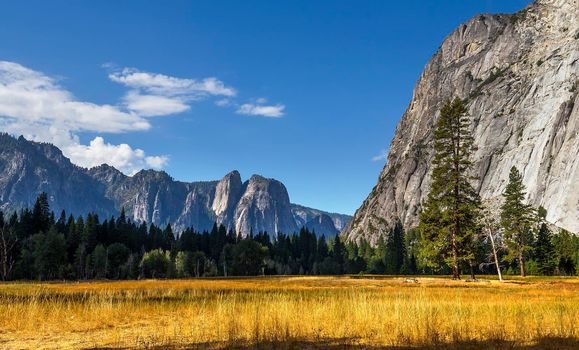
x=35, y=244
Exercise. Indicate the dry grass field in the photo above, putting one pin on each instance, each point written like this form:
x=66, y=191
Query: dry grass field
x=292, y=313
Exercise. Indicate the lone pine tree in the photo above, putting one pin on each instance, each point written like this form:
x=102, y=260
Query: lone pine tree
x=448, y=219
x=516, y=219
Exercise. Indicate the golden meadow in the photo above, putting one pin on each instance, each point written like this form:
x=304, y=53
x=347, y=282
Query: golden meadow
x=292, y=312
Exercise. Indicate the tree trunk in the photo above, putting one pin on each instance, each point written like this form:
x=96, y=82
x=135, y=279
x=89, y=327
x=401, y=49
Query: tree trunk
x=522, y=264
x=455, y=268
x=472, y=277
x=7, y=245
x=495, y=256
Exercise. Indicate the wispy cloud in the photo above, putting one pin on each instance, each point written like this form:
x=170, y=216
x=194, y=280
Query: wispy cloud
x=165, y=85
x=154, y=105
x=380, y=156
x=154, y=94
x=273, y=111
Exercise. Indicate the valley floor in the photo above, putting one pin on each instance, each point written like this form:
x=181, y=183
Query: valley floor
x=350, y=312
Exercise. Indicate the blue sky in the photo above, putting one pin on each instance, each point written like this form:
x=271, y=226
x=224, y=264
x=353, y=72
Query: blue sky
x=307, y=92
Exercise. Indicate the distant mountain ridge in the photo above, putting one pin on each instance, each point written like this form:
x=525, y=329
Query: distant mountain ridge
x=320, y=221
x=259, y=204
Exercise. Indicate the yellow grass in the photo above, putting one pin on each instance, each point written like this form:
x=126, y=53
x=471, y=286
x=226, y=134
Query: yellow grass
x=357, y=311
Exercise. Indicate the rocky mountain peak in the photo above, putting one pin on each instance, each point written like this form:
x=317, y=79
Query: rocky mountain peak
x=255, y=178
x=106, y=173
x=152, y=175
x=264, y=198
x=227, y=195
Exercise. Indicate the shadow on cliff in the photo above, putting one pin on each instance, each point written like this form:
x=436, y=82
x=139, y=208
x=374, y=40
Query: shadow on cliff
x=349, y=344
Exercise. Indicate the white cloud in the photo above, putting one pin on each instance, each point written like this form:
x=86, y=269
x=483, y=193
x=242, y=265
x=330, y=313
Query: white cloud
x=381, y=156
x=153, y=105
x=122, y=157
x=160, y=84
x=157, y=162
x=275, y=111
x=36, y=106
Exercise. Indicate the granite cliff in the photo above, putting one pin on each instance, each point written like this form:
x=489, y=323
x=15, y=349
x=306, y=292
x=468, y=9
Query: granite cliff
x=519, y=74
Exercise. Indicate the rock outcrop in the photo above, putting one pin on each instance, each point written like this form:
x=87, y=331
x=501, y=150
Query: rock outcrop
x=520, y=76
x=227, y=194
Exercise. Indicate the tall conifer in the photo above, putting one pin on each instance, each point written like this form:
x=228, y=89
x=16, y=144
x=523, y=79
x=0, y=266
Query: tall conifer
x=448, y=219
x=516, y=219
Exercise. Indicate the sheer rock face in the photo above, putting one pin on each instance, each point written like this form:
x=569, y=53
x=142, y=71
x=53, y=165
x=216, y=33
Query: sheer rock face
x=520, y=74
x=227, y=195
x=264, y=207
x=29, y=168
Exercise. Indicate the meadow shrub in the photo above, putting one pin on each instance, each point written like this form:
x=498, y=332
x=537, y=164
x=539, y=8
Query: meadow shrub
x=155, y=264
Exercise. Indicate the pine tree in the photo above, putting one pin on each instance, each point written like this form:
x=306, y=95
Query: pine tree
x=168, y=238
x=214, y=240
x=516, y=219
x=49, y=254
x=41, y=214
x=545, y=251
x=395, y=250
x=321, y=249
x=448, y=219
x=338, y=254
x=61, y=223
x=89, y=233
